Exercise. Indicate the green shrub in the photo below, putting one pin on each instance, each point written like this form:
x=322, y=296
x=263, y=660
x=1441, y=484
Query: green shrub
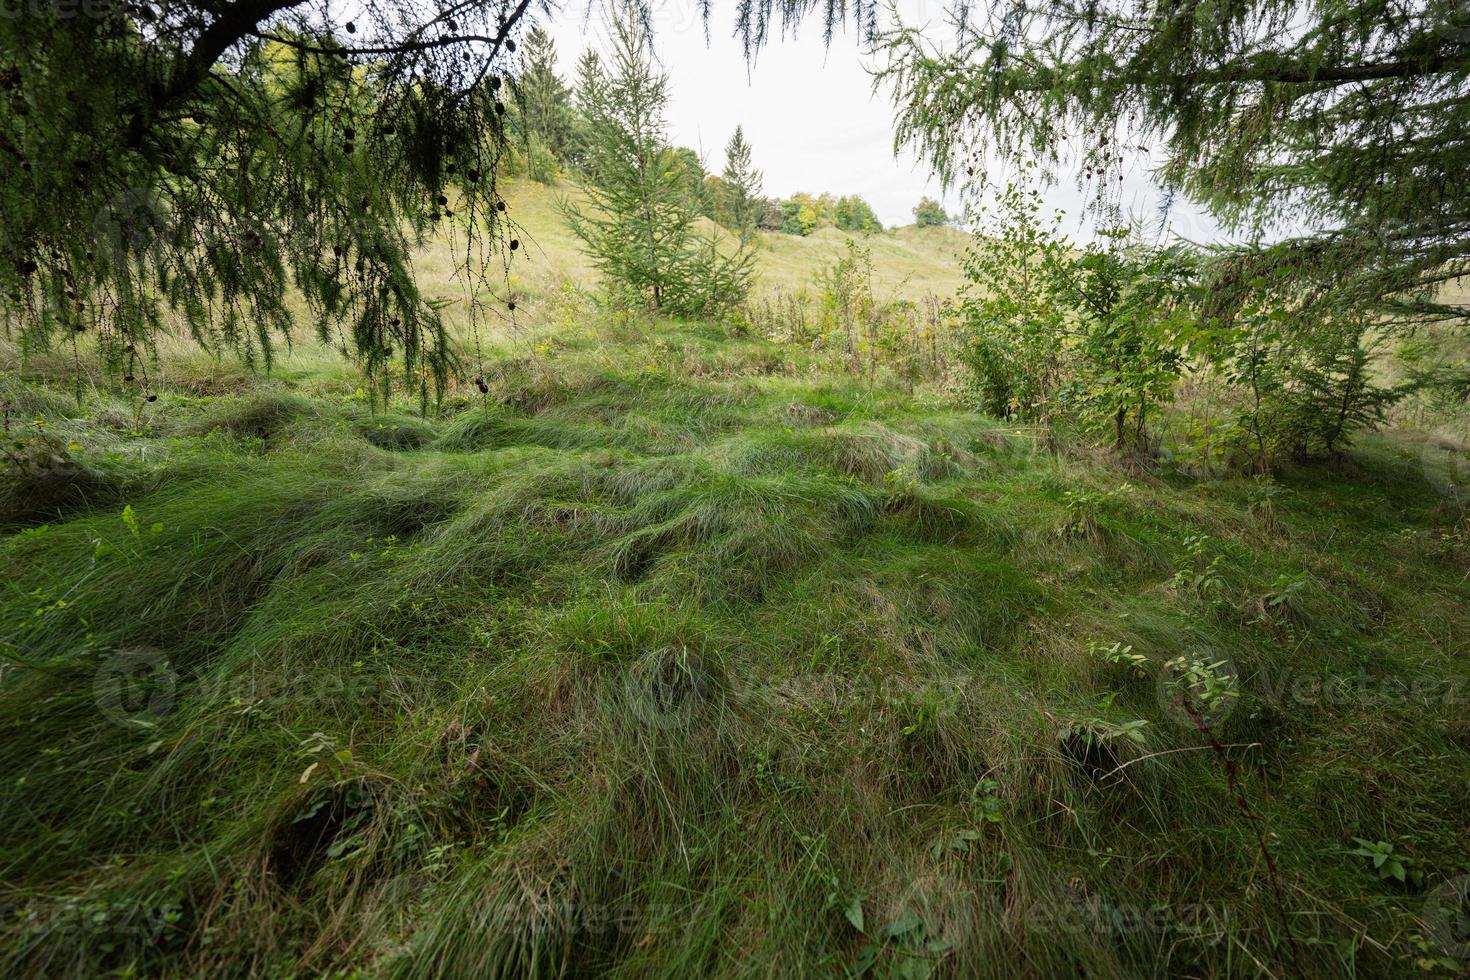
x=929, y=212
x=1304, y=390
x=1012, y=323
x=1056, y=334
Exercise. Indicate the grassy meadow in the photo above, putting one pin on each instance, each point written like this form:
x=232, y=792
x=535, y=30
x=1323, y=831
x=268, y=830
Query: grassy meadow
x=909, y=261
x=687, y=653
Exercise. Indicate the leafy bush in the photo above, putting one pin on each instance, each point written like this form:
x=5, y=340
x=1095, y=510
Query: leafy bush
x=929, y=212
x=1129, y=301
x=781, y=316
x=1304, y=388
x=1098, y=338
x=870, y=332
x=846, y=302
x=1012, y=311
x=532, y=159
x=1052, y=334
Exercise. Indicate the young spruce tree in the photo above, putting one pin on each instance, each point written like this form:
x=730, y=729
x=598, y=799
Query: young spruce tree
x=640, y=226
x=742, y=187
x=544, y=121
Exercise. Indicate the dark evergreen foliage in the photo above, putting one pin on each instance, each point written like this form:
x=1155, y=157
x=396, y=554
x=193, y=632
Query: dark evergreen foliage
x=647, y=197
x=191, y=166
x=1344, y=118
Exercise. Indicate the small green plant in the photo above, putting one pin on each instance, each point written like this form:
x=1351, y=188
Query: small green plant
x=912, y=952
x=1083, y=508
x=849, y=900
x=1101, y=732
x=954, y=840
x=1279, y=596
x=768, y=775
x=1388, y=864
x=1197, y=569
x=130, y=549
x=986, y=801
x=901, y=481
x=1121, y=654
x=1199, y=690
x=1261, y=499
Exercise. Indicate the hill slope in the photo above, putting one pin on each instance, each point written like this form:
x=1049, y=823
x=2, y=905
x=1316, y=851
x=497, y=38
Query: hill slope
x=683, y=656
x=908, y=261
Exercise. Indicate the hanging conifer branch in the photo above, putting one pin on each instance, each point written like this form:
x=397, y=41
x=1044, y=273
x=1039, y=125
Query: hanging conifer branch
x=218, y=166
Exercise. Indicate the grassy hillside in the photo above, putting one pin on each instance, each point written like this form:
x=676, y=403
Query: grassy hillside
x=908, y=261
x=686, y=655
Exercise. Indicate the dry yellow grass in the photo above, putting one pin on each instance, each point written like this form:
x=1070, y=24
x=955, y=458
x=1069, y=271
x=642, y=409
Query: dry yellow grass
x=908, y=262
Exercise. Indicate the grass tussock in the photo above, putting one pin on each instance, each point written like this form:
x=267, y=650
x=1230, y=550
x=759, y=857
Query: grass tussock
x=661, y=661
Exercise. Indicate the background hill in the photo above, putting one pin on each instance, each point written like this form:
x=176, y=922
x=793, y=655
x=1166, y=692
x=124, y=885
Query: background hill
x=908, y=261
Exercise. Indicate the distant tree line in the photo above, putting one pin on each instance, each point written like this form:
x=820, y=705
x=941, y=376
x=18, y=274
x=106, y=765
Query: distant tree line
x=551, y=126
x=802, y=214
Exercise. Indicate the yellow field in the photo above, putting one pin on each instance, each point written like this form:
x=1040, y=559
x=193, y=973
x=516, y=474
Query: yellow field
x=909, y=261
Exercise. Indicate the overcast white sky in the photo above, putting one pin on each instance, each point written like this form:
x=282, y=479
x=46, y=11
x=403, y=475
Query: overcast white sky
x=809, y=110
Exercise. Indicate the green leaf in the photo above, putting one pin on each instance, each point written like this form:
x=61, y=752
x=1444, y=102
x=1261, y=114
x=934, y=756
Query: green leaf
x=906, y=922
x=866, y=957
x=914, y=968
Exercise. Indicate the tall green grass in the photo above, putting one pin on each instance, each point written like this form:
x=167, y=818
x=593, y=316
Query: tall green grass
x=676, y=657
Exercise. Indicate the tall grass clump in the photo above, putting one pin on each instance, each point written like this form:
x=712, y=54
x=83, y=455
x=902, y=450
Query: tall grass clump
x=632, y=669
